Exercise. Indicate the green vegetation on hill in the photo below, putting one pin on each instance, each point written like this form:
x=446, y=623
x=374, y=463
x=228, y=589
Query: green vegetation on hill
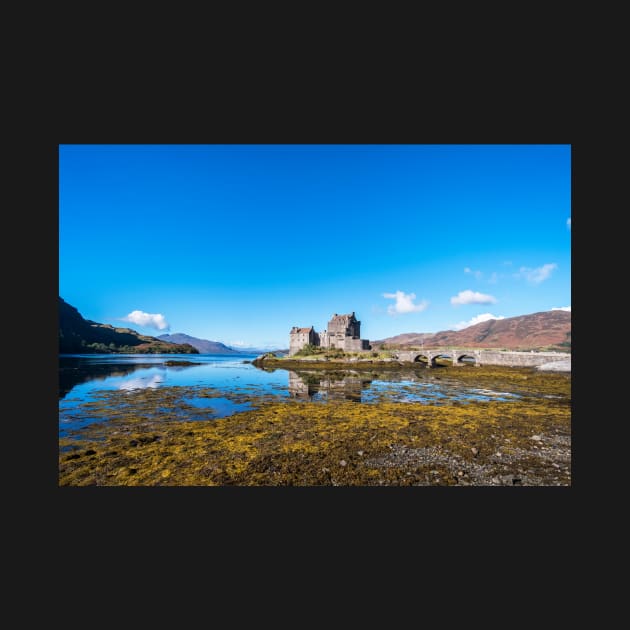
x=79, y=335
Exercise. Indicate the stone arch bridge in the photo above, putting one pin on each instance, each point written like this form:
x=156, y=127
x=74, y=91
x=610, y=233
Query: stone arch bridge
x=479, y=357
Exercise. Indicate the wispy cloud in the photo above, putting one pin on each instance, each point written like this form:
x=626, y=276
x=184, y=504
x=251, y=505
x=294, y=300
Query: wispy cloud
x=478, y=274
x=150, y=320
x=494, y=277
x=537, y=275
x=569, y=223
x=484, y=317
x=562, y=308
x=404, y=303
x=472, y=297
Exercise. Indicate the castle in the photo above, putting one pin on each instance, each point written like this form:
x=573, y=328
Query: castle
x=344, y=332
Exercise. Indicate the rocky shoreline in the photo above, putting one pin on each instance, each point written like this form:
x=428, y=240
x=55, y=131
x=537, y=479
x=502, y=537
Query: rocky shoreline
x=143, y=437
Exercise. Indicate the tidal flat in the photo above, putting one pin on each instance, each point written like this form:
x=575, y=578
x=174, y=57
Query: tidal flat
x=519, y=434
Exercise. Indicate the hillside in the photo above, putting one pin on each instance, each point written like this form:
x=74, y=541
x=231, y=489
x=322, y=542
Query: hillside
x=203, y=345
x=550, y=330
x=79, y=335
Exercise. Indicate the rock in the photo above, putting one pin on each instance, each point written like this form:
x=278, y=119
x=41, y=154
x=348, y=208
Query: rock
x=556, y=366
x=536, y=438
x=172, y=363
x=497, y=454
x=360, y=453
x=475, y=451
x=343, y=462
x=325, y=470
x=460, y=473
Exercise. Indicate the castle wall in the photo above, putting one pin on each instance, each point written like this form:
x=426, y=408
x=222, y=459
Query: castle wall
x=324, y=340
x=348, y=326
x=356, y=345
x=297, y=340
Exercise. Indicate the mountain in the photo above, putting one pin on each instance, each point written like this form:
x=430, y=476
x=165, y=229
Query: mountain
x=213, y=347
x=203, y=345
x=250, y=350
x=83, y=336
x=550, y=330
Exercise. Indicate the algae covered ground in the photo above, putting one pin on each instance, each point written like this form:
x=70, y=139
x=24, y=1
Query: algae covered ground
x=160, y=436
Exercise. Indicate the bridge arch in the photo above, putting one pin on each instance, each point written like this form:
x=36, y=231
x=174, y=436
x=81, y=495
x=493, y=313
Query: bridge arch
x=463, y=358
x=441, y=354
x=422, y=357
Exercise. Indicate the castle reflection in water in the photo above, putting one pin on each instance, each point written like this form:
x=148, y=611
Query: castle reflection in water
x=309, y=386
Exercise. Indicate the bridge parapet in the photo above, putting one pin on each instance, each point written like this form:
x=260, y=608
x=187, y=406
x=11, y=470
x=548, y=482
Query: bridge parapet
x=513, y=358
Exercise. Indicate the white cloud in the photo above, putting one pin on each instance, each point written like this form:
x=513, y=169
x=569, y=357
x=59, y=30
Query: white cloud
x=150, y=320
x=478, y=274
x=537, y=275
x=562, y=308
x=404, y=303
x=484, y=317
x=569, y=223
x=494, y=277
x=472, y=297
x=237, y=343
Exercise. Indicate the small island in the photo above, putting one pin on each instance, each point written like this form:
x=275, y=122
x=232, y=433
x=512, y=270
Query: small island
x=340, y=346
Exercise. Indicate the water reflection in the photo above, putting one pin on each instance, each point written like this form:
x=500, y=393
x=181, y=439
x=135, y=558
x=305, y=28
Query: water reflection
x=151, y=381
x=318, y=386
x=76, y=370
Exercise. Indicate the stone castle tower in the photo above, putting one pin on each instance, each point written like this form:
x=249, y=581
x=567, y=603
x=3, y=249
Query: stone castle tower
x=344, y=332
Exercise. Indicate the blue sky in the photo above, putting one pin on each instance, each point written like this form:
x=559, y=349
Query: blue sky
x=237, y=243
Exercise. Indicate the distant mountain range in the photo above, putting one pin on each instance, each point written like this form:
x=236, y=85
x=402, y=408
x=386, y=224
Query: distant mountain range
x=83, y=336
x=550, y=330
x=248, y=350
x=205, y=346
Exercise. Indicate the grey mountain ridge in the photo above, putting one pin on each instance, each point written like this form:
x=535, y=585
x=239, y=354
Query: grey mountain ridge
x=205, y=346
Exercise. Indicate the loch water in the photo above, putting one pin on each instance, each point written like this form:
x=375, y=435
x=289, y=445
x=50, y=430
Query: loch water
x=83, y=377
